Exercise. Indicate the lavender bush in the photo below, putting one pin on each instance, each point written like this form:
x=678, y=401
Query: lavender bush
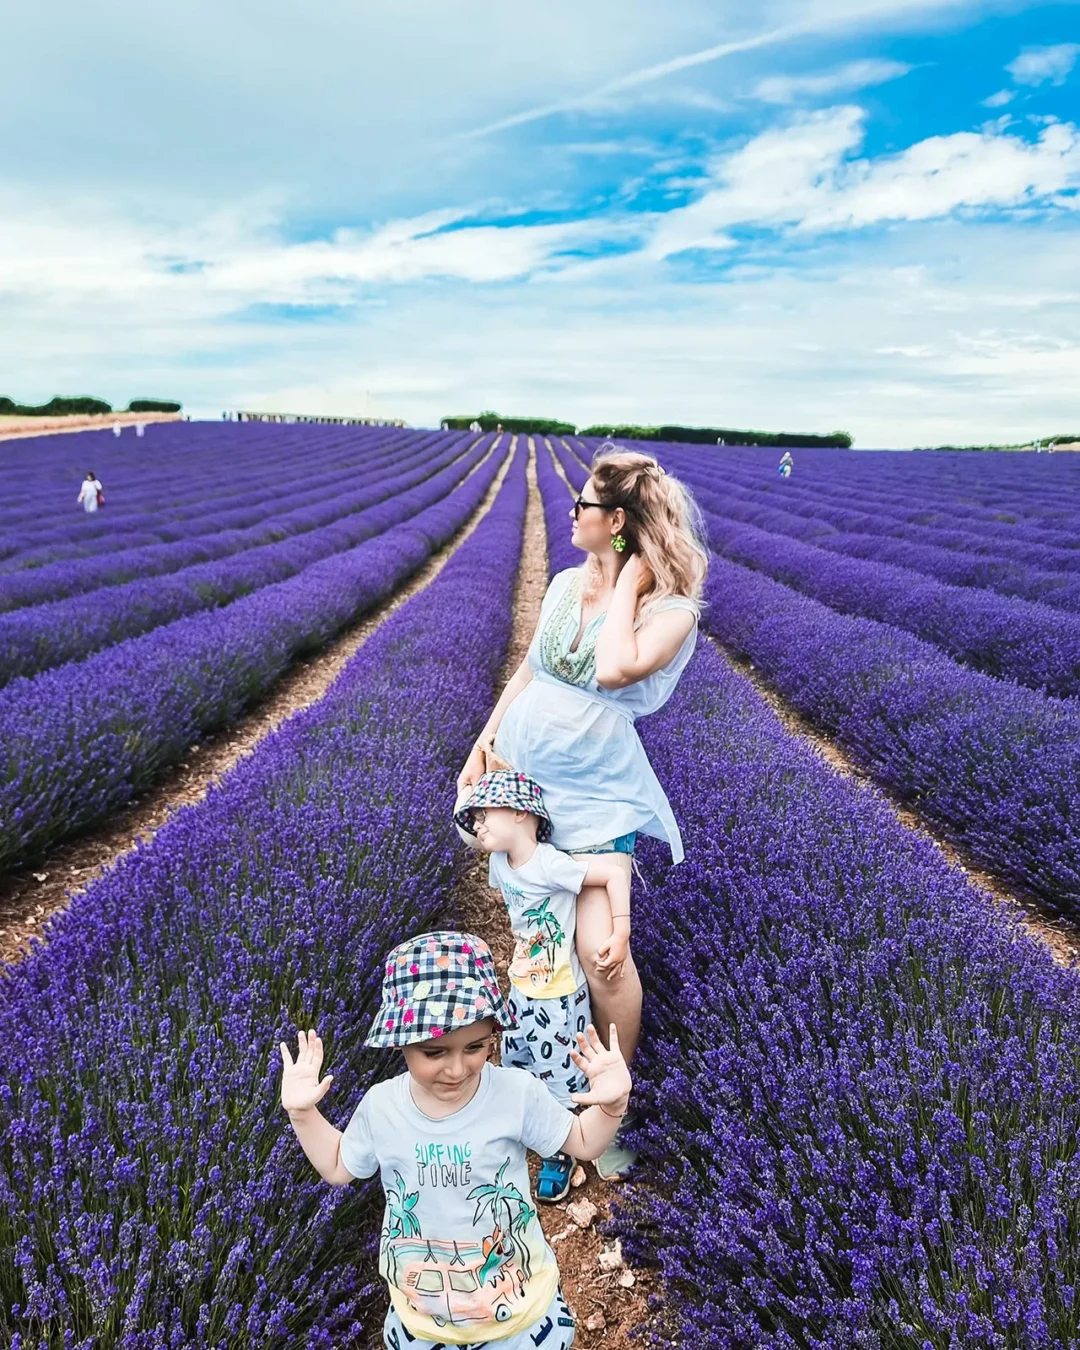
x=859, y=1078
x=216, y=534
x=152, y=1194
x=33, y=639
x=182, y=477
x=81, y=740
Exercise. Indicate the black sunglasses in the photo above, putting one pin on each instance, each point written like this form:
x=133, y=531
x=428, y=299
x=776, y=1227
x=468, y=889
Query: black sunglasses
x=580, y=502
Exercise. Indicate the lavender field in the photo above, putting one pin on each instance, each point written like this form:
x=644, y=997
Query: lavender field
x=860, y=1076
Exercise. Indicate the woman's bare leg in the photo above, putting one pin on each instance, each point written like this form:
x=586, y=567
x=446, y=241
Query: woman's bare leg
x=617, y=1000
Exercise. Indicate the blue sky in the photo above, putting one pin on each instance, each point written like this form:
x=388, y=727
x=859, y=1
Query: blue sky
x=820, y=214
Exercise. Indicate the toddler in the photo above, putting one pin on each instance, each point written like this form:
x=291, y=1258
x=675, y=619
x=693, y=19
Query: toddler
x=461, y=1250
x=549, y=994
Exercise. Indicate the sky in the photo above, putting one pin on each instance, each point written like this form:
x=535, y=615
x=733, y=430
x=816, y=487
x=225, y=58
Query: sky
x=802, y=215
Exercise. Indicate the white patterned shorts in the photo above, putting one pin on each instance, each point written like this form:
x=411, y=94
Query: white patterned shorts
x=546, y=1032
x=554, y=1331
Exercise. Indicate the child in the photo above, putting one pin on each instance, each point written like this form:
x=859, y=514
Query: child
x=549, y=995
x=462, y=1250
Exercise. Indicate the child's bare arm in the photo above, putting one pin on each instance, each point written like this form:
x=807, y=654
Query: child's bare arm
x=607, y=1098
x=321, y=1141
x=300, y=1091
x=605, y=870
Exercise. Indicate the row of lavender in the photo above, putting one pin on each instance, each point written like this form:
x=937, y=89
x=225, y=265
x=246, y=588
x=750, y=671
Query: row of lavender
x=829, y=499
x=1000, y=635
x=230, y=519
x=1016, y=559
x=150, y=1196
x=861, y=1082
x=995, y=765
x=36, y=637
x=79, y=741
x=177, y=473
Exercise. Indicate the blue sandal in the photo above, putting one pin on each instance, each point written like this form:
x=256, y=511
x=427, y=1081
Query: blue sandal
x=553, y=1181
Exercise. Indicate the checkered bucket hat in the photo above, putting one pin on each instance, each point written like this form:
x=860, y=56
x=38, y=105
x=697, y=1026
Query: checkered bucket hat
x=502, y=787
x=433, y=984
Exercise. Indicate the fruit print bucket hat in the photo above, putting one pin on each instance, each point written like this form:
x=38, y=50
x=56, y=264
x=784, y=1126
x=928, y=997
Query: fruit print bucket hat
x=503, y=787
x=433, y=984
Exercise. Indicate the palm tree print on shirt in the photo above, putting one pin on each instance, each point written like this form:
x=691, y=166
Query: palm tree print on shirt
x=510, y=1213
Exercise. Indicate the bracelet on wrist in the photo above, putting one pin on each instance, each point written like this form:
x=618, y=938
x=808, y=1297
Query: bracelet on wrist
x=610, y=1113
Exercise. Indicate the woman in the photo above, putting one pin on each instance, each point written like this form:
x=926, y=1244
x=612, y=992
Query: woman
x=613, y=638
x=90, y=493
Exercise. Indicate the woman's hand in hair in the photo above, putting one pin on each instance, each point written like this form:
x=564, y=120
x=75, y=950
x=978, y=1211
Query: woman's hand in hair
x=635, y=575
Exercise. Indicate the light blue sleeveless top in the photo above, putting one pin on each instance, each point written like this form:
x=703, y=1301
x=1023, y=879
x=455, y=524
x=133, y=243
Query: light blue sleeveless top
x=578, y=741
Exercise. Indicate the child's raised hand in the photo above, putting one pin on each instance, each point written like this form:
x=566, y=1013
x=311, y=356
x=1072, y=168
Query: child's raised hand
x=611, y=955
x=609, y=1078
x=300, y=1086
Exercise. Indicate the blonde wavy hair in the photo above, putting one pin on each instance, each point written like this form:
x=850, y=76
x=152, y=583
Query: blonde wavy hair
x=663, y=524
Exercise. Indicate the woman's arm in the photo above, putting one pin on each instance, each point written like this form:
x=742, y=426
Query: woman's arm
x=625, y=655
x=514, y=685
x=475, y=764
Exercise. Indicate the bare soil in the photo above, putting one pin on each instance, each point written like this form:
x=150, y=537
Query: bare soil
x=29, y=894
x=13, y=427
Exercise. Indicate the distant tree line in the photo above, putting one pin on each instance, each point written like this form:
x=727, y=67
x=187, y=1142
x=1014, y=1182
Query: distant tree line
x=540, y=426
x=547, y=426
x=1045, y=442
x=713, y=435
x=66, y=407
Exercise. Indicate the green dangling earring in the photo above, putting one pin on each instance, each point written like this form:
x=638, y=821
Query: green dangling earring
x=618, y=543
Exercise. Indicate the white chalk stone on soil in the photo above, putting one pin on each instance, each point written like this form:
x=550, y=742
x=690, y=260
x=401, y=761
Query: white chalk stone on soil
x=582, y=1212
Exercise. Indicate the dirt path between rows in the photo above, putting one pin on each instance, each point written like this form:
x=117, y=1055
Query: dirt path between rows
x=19, y=428
x=1059, y=934
x=28, y=896
x=609, y=1305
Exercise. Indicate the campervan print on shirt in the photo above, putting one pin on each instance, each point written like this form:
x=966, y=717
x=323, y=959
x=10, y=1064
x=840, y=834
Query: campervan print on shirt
x=541, y=900
x=461, y=1250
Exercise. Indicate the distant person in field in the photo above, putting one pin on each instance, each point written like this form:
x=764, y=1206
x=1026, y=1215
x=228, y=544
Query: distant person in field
x=613, y=638
x=90, y=495
x=116, y=428
x=786, y=465
x=140, y=427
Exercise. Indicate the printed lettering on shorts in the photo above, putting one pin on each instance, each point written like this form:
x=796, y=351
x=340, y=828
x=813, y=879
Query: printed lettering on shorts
x=547, y=1032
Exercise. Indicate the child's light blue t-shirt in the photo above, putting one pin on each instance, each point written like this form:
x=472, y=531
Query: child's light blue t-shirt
x=461, y=1250
x=541, y=900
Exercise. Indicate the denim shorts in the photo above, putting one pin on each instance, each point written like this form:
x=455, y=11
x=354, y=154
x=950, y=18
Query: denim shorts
x=624, y=844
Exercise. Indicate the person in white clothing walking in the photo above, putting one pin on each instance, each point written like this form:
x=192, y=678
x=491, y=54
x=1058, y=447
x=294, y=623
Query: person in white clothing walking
x=90, y=494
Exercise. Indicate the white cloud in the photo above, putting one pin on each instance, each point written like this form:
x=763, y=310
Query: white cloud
x=979, y=350
x=233, y=261
x=999, y=99
x=810, y=20
x=854, y=75
x=1037, y=65
x=799, y=177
